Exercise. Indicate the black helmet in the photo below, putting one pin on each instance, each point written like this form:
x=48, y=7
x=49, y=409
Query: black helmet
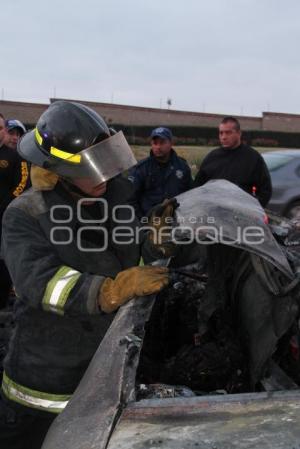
x=73, y=141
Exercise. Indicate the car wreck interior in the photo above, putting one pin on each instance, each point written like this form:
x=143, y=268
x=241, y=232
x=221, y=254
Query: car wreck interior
x=229, y=325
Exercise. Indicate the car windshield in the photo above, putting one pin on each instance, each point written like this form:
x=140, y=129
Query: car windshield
x=275, y=161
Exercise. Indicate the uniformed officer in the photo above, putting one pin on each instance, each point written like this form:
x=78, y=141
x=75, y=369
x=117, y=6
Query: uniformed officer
x=160, y=176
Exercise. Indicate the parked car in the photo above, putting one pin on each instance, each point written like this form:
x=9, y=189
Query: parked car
x=235, y=374
x=284, y=167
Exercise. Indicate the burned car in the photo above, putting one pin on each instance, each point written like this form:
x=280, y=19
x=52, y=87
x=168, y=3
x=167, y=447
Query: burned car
x=213, y=360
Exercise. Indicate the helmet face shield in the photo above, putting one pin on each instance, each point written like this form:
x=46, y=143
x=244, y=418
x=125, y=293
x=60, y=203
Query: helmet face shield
x=99, y=163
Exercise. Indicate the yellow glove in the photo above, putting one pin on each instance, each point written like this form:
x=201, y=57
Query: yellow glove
x=136, y=281
x=161, y=220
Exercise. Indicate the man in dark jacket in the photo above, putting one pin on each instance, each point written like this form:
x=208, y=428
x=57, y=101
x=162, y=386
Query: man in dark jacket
x=237, y=163
x=160, y=176
x=14, y=178
x=70, y=270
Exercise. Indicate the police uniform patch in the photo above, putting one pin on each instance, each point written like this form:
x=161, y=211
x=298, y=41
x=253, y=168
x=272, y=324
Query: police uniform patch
x=179, y=174
x=131, y=179
x=3, y=163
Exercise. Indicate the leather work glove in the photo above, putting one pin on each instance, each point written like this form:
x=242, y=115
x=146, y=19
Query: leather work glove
x=42, y=179
x=135, y=281
x=162, y=217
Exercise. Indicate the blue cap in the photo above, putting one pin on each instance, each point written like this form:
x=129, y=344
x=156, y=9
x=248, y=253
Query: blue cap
x=163, y=133
x=12, y=124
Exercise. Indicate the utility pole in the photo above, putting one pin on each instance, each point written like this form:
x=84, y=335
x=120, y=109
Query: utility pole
x=169, y=102
x=2, y=94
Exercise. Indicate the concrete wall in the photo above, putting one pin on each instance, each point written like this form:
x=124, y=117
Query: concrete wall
x=135, y=116
x=28, y=113
x=276, y=121
x=128, y=115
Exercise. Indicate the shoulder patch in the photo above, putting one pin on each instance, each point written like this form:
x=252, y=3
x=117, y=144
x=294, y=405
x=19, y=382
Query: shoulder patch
x=4, y=163
x=131, y=178
x=179, y=174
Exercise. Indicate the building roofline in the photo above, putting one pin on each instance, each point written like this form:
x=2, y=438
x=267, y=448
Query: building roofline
x=148, y=109
x=285, y=114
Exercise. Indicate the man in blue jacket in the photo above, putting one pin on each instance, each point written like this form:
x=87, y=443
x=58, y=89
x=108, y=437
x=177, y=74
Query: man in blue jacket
x=161, y=175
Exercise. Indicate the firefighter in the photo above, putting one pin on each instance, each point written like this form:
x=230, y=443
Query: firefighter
x=69, y=273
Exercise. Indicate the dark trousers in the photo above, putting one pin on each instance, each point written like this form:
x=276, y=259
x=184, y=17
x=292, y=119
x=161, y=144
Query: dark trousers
x=22, y=427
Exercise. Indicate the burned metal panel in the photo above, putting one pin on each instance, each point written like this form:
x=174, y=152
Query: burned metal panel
x=246, y=421
x=223, y=213
x=108, y=383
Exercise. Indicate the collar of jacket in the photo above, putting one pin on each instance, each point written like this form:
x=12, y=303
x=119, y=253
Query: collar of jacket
x=172, y=158
x=119, y=190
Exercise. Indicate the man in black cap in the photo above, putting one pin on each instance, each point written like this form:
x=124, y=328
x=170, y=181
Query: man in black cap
x=15, y=130
x=160, y=176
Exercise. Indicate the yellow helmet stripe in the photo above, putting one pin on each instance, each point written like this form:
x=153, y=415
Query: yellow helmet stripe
x=38, y=136
x=75, y=158
x=70, y=157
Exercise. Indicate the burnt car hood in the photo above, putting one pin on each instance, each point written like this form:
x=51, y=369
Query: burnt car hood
x=220, y=212
x=106, y=394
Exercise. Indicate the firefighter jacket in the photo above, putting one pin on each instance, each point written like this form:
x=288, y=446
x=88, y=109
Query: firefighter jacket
x=58, y=255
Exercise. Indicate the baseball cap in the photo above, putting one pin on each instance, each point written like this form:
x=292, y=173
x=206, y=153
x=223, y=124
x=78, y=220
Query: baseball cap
x=12, y=123
x=163, y=133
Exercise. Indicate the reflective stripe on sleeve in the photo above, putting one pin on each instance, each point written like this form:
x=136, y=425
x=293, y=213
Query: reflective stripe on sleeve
x=59, y=288
x=54, y=403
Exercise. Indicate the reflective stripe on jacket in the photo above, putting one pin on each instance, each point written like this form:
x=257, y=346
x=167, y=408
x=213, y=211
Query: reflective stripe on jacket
x=59, y=288
x=54, y=403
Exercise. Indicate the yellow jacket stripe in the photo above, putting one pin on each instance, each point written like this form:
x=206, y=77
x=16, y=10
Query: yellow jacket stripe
x=59, y=288
x=24, y=178
x=54, y=403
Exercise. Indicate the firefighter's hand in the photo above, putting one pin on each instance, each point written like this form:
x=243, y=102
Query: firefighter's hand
x=161, y=220
x=136, y=281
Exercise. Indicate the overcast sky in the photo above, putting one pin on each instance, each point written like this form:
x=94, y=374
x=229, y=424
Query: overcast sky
x=221, y=56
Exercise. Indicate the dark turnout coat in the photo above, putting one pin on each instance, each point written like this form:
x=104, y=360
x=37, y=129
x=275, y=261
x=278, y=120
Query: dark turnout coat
x=57, y=268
